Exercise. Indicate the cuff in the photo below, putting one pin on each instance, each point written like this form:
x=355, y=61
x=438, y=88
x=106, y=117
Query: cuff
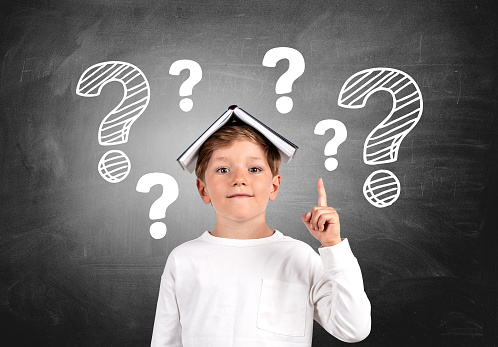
x=338, y=257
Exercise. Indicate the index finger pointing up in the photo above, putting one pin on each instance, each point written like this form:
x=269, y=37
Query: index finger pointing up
x=322, y=196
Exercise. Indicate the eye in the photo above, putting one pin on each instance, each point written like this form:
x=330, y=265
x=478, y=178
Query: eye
x=222, y=170
x=255, y=169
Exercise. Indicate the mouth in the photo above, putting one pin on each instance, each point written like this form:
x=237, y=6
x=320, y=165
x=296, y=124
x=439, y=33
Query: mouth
x=239, y=196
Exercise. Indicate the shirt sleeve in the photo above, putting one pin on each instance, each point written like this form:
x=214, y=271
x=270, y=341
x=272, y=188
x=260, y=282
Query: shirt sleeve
x=341, y=304
x=167, y=328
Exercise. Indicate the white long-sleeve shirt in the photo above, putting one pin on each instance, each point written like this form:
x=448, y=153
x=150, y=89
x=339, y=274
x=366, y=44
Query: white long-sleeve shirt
x=218, y=292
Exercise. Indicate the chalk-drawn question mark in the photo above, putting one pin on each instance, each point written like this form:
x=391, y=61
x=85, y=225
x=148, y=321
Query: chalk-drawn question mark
x=382, y=187
x=284, y=84
x=114, y=129
x=158, y=209
x=341, y=133
x=195, y=77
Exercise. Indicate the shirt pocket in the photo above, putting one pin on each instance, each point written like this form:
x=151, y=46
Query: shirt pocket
x=282, y=308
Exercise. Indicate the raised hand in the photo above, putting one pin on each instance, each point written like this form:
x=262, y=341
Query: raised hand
x=323, y=221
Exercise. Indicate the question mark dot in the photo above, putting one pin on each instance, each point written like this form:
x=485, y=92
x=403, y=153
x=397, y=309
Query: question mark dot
x=186, y=104
x=114, y=166
x=158, y=230
x=331, y=164
x=284, y=104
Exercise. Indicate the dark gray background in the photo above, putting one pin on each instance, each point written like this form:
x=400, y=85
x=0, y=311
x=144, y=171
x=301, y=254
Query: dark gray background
x=78, y=266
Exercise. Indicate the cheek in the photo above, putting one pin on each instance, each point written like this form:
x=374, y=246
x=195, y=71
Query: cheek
x=265, y=187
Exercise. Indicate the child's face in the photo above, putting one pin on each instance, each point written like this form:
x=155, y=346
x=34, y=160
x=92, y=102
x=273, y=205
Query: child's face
x=239, y=182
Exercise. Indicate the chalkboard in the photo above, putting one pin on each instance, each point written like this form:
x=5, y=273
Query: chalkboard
x=79, y=266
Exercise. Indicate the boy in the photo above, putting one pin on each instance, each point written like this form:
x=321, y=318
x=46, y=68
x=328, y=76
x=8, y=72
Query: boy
x=244, y=284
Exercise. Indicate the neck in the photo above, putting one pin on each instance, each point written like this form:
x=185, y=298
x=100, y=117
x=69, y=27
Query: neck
x=241, y=230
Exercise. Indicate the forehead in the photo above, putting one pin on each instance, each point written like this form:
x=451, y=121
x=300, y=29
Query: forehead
x=239, y=149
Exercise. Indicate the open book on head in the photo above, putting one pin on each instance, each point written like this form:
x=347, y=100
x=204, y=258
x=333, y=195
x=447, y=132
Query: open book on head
x=234, y=113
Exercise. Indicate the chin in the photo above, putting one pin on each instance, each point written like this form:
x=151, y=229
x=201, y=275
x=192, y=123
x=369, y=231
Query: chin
x=241, y=216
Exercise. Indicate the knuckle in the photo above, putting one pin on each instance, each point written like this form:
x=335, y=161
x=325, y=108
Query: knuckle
x=318, y=213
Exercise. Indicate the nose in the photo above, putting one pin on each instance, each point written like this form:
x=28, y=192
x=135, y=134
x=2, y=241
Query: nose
x=239, y=178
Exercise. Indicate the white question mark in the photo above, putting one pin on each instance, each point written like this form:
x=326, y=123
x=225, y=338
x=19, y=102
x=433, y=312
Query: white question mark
x=114, y=129
x=341, y=133
x=186, y=104
x=158, y=209
x=284, y=84
x=382, y=187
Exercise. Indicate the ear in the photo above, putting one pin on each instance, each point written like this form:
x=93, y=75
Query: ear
x=203, y=192
x=275, y=185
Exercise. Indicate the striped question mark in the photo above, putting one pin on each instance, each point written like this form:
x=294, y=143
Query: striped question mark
x=382, y=187
x=114, y=166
